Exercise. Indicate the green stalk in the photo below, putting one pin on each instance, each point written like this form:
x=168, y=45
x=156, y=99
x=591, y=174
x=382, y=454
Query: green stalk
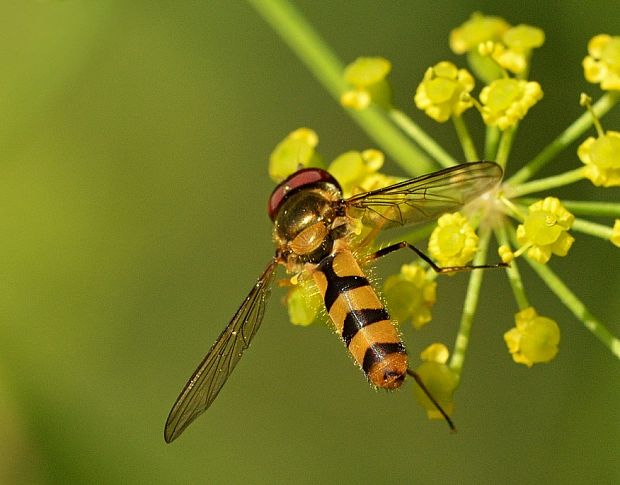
x=544, y=184
x=469, y=307
x=569, y=135
x=573, y=303
x=505, y=144
x=585, y=208
x=491, y=141
x=327, y=68
x=514, y=276
x=427, y=143
x=593, y=229
x=577, y=307
x=469, y=149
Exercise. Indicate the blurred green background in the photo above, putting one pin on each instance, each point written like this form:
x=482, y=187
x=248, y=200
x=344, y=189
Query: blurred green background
x=133, y=184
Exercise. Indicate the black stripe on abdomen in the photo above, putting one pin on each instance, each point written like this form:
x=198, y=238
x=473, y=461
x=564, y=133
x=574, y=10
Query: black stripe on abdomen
x=358, y=319
x=377, y=352
x=337, y=285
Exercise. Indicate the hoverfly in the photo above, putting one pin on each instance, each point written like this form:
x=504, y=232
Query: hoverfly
x=313, y=234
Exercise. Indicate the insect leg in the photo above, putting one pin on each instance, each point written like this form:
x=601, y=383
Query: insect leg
x=419, y=382
x=438, y=269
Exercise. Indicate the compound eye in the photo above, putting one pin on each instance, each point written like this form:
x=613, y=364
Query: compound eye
x=304, y=178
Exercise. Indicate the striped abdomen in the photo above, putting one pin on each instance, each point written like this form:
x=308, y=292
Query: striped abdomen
x=361, y=319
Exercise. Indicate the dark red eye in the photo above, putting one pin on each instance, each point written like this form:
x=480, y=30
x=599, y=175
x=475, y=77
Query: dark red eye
x=304, y=178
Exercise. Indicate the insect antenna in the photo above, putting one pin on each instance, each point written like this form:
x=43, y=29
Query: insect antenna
x=418, y=380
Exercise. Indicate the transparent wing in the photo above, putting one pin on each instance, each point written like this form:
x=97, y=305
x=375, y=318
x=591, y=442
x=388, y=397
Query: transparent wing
x=424, y=198
x=206, y=382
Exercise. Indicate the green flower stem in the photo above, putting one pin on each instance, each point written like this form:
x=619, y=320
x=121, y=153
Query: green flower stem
x=469, y=307
x=428, y=144
x=491, y=141
x=575, y=305
x=569, y=135
x=593, y=229
x=327, y=68
x=544, y=184
x=514, y=276
x=505, y=143
x=585, y=208
x=469, y=149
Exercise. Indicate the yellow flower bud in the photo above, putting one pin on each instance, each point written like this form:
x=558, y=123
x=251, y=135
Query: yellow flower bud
x=534, y=339
x=303, y=302
x=545, y=230
x=602, y=65
x=296, y=150
x=440, y=94
x=441, y=382
x=506, y=101
x=615, y=234
x=368, y=77
x=410, y=295
x=601, y=157
x=453, y=242
x=479, y=28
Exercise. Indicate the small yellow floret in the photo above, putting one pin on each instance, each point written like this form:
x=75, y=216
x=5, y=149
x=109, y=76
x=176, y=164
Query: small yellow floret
x=355, y=170
x=479, y=28
x=545, y=230
x=602, y=65
x=410, y=295
x=440, y=94
x=506, y=254
x=615, y=234
x=303, y=302
x=453, y=242
x=441, y=382
x=296, y=150
x=436, y=352
x=534, y=339
x=601, y=157
x=506, y=101
x=368, y=78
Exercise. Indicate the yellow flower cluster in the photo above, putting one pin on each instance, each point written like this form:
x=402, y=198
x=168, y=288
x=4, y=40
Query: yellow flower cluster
x=410, y=295
x=602, y=65
x=295, y=151
x=506, y=101
x=453, y=242
x=601, y=157
x=439, y=379
x=534, y=339
x=358, y=172
x=441, y=93
x=545, y=230
x=475, y=31
x=367, y=77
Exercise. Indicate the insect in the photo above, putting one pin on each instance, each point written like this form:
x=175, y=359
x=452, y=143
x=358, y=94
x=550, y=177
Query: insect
x=313, y=235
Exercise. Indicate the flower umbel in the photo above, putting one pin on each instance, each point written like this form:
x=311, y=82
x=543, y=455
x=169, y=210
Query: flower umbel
x=500, y=56
x=534, y=339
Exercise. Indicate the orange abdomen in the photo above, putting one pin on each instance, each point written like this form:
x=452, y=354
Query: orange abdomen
x=361, y=319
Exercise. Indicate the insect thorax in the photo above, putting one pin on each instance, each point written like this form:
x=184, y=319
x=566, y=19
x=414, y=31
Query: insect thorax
x=307, y=225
